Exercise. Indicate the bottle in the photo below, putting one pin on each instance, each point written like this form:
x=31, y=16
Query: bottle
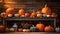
x=15, y=26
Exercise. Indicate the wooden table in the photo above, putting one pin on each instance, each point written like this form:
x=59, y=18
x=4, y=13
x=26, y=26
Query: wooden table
x=31, y=33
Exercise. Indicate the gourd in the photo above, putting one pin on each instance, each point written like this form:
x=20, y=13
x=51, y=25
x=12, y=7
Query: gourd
x=46, y=10
x=27, y=14
x=49, y=29
x=20, y=30
x=26, y=30
x=33, y=15
x=39, y=14
x=2, y=28
x=21, y=12
x=33, y=29
x=11, y=30
x=54, y=14
x=40, y=27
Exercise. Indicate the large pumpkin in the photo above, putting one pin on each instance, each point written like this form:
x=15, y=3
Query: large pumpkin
x=46, y=10
x=10, y=11
x=21, y=12
x=40, y=27
x=49, y=29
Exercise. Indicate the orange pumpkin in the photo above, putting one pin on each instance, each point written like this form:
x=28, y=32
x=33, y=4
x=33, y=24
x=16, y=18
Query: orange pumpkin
x=21, y=12
x=40, y=27
x=11, y=30
x=10, y=11
x=27, y=30
x=54, y=14
x=33, y=15
x=46, y=10
x=27, y=14
x=20, y=29
x=2, y=28
x=49, y=29
x=38, y=12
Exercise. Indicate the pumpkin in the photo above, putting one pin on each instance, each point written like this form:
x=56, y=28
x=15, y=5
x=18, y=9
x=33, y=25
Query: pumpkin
x=48, y=15
x=44, y=15
x=27, y=14
x=7, y=29
x=33, y=15
x=54, y=14
x=33, y=29
x=2, y=28
x=22, y=16
x=38, y=12
x=46, y=10
x=40, y=27
x=10, y=11
x=11, y=30
x=9, y=15
x=16, y=15
x=21, y=12
x=26, y=30
x=57, y=29
x=20, y=29
x=49, y=29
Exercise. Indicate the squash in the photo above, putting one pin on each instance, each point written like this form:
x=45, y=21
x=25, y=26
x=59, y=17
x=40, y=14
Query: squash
x=26, y=30
x=16, y=15
x=10, y=11
x=27, y=14
x=33, y=29
x=33, y=15
x=46, y=10
x=11, y=30
x=2, y=28
x=54, y=14
x=21, y=12
x=49, y=29
x=20, y=30
x=9, y=15
x=40, y=27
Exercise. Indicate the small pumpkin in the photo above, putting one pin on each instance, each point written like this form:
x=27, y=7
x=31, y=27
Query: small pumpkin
x=54, y=14
x=27, y=30
x=9, y=15
x=16, y=15
x=27, y=14
x=21, y=12
x=33, y=29
x=2, y=28
x=40, y=27
x=46, y=10
x=38, y=12
x=33, y=15
x=10, y=11
x=11, y=30
x=49, y=29
x=20, y=30
x=22, y=16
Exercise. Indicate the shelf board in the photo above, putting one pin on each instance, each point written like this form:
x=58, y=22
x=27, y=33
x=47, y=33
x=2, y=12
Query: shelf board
x=26, y=19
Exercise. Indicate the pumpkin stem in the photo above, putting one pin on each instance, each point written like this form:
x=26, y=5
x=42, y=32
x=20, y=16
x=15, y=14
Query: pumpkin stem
x=45, y=5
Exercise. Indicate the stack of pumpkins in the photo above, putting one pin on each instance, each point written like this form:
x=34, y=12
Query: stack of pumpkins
x=45, y=12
